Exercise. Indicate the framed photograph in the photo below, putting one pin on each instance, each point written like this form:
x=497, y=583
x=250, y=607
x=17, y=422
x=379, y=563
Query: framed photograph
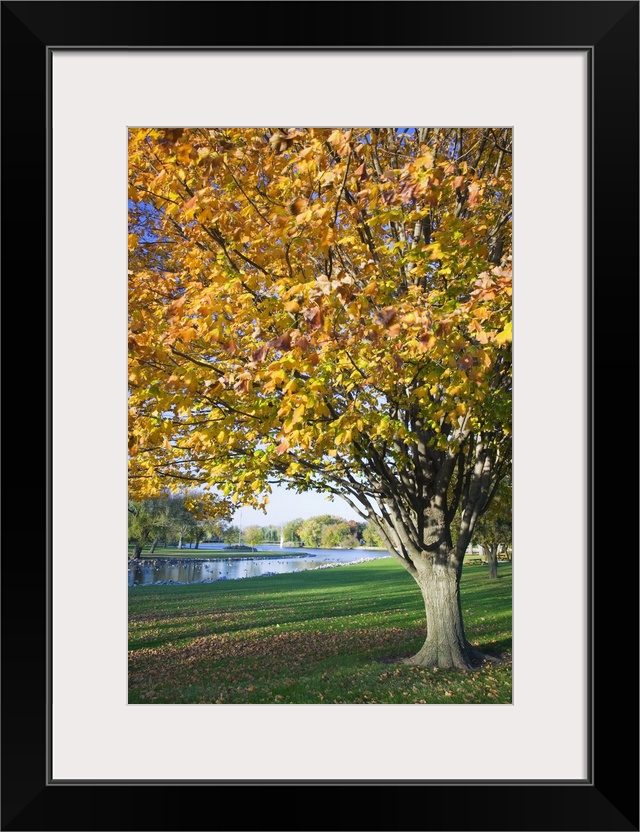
x=562, y=80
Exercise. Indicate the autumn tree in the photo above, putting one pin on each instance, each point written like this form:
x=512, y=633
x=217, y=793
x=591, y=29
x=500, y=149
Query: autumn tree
x=330, y=309
x=253, y=535
x=311, y=530
x=336, y=535
x=370, y=537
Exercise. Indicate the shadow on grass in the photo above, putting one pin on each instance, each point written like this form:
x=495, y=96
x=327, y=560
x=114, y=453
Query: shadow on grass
x=379, y=593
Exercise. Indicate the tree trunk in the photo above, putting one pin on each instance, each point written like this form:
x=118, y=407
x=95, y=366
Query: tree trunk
x=153, y=546
x=492, y=560
x=180, y=541
x=446, y=645
x=137, y=550
x=197, y=544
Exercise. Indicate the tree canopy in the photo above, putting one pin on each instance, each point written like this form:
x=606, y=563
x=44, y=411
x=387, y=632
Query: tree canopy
x=329, y=309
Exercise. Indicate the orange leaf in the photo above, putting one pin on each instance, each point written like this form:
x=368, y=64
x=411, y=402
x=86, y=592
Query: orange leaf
x=282, y=447
x=297, y=206
x=187, y=206
x=384, y=317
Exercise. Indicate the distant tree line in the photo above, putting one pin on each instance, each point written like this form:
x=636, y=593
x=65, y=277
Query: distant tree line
x=180, y=520
x=189, y=519
x=175, y=520
x=324, y=531
x=330, y=532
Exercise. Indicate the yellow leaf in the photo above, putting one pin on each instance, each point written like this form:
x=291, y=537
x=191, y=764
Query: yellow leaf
x=298, y=413
x=505, y=335
x=329, y=237
x=188, y=334
x=185, y=154
x=426, y=160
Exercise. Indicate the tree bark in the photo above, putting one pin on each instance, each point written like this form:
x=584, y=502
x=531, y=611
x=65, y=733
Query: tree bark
x=446, y=645
x=180, y=541
x=137, y=550
x=153, y=546
x=492, y=560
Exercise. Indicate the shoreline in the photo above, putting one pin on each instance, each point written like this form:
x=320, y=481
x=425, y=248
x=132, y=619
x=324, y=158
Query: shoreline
x=249, y=577
x=234, y=556
x=231, y=557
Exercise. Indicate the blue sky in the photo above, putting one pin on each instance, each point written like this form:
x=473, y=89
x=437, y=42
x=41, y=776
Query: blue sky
x=285, y=505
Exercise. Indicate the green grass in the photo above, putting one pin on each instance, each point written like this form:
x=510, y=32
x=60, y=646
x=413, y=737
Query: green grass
x=326, y=636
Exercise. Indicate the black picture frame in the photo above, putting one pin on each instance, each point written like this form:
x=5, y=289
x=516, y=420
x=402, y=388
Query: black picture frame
x=608, y=798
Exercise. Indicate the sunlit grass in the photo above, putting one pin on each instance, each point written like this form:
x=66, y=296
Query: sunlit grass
x=333, y=635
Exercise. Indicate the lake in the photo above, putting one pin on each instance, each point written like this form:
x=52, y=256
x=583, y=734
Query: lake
x=267, y=560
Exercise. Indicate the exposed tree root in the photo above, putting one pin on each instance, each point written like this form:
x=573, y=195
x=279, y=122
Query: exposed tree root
x=469, y=660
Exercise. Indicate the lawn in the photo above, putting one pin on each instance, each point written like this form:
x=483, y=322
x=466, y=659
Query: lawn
x=327, y=636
